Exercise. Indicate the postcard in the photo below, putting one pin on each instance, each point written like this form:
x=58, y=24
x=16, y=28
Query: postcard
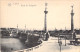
x=40, y=25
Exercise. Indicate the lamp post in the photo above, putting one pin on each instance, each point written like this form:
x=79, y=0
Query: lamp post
x=60, y=43
x=65, y=36
x=25, y=28
x=27, y=36
x=17, y=28
x=58, y=38
x=65, y=39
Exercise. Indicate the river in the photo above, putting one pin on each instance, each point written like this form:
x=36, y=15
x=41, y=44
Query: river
x=9, y=44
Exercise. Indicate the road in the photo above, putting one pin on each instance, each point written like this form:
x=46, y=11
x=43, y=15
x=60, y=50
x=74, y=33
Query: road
x=52, y=46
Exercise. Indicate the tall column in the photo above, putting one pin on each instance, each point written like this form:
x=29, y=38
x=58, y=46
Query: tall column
x=45, y=20
x=72, y=25
x=46, y=36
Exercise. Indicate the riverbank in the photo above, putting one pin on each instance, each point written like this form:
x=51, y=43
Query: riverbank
x=10, y=44
x=29, y=49
x=13, y=44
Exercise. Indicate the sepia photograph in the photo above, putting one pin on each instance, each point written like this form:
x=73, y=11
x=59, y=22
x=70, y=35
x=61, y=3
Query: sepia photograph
x=39, y=25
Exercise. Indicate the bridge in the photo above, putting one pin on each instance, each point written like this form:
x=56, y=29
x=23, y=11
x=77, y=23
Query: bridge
x=52, y=46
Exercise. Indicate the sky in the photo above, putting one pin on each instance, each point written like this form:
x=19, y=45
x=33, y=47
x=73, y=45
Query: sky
x=31, y=14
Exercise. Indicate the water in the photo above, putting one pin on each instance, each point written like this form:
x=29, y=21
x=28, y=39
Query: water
x=8, y=44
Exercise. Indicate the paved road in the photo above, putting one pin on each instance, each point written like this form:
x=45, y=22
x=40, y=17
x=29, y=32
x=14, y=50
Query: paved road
x=52, y=46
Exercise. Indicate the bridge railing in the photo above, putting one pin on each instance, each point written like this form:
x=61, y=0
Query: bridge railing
x=29, y=49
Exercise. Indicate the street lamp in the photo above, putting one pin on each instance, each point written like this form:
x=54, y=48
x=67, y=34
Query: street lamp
x=65, y=36
x=58, y=38
x=27, y=36
x=65, y=39
x=60, y=43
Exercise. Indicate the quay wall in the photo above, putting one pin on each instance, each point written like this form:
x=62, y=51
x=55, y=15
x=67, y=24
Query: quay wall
x=29, y=49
